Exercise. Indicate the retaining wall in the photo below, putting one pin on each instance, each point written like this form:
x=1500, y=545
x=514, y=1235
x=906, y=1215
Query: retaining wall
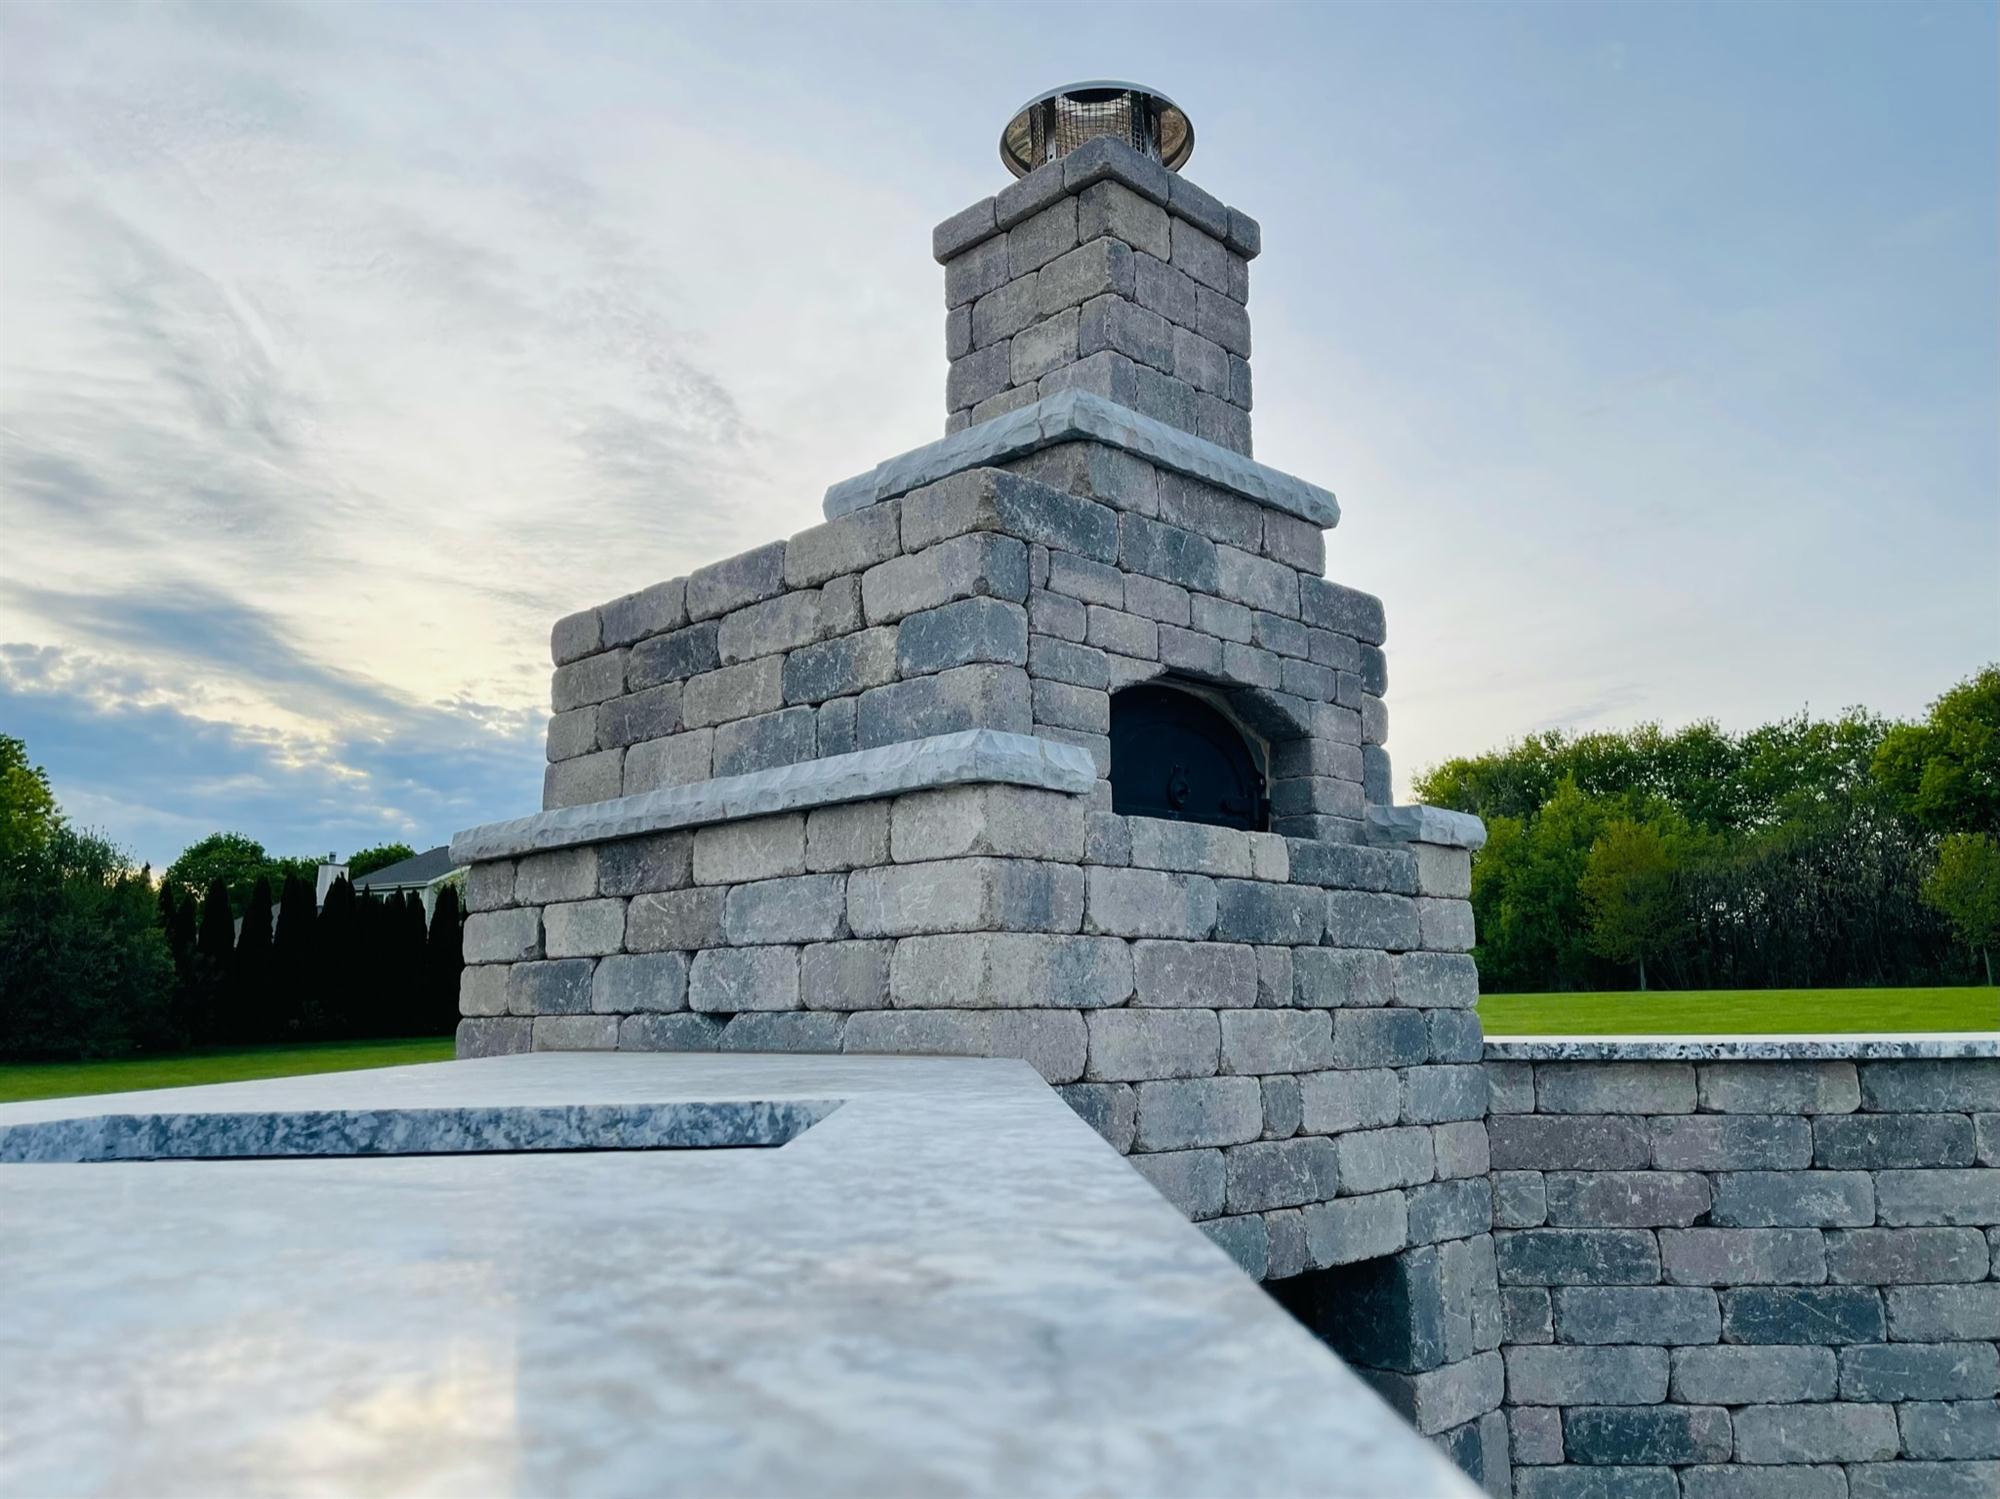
x=1749, y=1270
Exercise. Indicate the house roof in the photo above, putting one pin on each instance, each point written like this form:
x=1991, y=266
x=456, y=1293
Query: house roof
x=431, y=864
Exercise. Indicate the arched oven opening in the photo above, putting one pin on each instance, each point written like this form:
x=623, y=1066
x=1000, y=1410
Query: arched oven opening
x=1174, y=755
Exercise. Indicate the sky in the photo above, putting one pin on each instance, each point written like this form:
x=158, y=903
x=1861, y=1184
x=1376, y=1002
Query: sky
x=1651, y=351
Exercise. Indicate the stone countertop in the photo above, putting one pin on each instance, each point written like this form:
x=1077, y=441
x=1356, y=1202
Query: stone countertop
x=947, y=1285
x=1857, y=1046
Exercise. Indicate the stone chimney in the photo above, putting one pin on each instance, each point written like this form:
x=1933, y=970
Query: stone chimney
x=1101, y=270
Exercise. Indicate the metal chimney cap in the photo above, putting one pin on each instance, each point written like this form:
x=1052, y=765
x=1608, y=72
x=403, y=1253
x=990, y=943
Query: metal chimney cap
x=1051, y=125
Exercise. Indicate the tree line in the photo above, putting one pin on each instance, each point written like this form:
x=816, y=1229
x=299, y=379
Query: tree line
x=98, y=961
x=1806, y=853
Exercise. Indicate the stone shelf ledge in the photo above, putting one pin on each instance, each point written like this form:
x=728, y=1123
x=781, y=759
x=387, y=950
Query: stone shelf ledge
x=972, y=756
x=1859, y=1046
x=1080, y=416
x=1420, y=824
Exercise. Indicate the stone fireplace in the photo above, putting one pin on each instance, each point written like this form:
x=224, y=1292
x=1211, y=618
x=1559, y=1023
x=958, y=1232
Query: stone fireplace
x=878, y=787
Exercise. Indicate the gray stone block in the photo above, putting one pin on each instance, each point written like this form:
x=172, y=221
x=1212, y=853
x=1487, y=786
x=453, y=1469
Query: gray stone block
x=1050, y=1041
x=1940, y=1313
x=1456, y=1035
x=483, y=990
x=586, y=779
x=783, y=1031
x=1168, y=553
x=1443, y=1095
x=1779, y=1199
x=575, y=732
x=841, y=667
x=556, y=988
x=576, y=636
x=848, y=544
x=847, y=837
x=1920, y=1371
x=1742, y=1256
x=733, y=692
x=963, y=230
x=1909, y=1480
x=1875, y=1141
x=730, y=584
x=1652, y=1315
x=678, y=760
x=759, y=849
x=1597, y=1434
x=1438, y=1399
x=1745, y=1142
x=1345, y=611
x=993, y=500
x=775, y=625
x=1527, y=1315
x=729, y=979
x=1283, y=1109
x=1956, y=1430
x=1339, y=978
x=1626, y=1199
x=503, y=936
x=1450, y=1210
x=845, y=975
x=1461, y=1149
x=583, y=928
x=1339, y=1101
x=1753, y=1375
x=764, y=742
x=1917, y=1086
x=651, y=714
x=1379, y=1038
x=1444, y=925
x=1356, y=1228
x=1120, y=325
x=1002, y=970
x=1149, y=903
x=1091, y=270
x=978, y=377
x=1741, y=1482
x=1135, y=1045
x=1244, y=1239
x=1256, y=582
x=594, y=679
x=1003, y=312
x=1906, y=1256
x=1535, y=1434
x=1080, y=709
x=965, y=697
x=1356, y=918
x=1043, y=347
x=1035, y=241
x=964, y=895
x=1578, y=1257
x=802, y=908
x=1802, y=1314
x=1188, y=847
x=1056, y=620
x=977, y=565
x=1815, y=1433
x=1112, y=1109
x=490, y=885
x=1208, y=1111
x=675, y=657
x=1297, y=543
x=958, y=634
x=1575, y=1375
x=1125, y=634
x=1620, y=1087
x=1950, y=1197
x=575, y=1033
x=1801, y=1087
x=669, y=1033
x=1262, y=912
x=1087, y=582
x=1192, y=1180
x=637, y=982
x=1578, y=1142
x=557, y=875
x=1255, y=1042
x=1520, y=1199
x=1374, y=1160
x=1194, y=975
x=1007, y=821
x=677, y=921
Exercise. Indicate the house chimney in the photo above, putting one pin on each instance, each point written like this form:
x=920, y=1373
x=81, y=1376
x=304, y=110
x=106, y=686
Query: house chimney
x=1102, y=269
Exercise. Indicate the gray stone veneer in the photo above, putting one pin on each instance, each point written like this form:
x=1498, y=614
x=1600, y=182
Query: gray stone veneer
x=1771, y=1273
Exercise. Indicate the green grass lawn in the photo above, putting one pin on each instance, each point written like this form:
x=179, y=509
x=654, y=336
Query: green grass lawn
x=1739, y=1011
x=20, y=1080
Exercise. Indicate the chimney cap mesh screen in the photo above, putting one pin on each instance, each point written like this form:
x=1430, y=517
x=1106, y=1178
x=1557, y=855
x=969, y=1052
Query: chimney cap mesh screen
x=1050, y=126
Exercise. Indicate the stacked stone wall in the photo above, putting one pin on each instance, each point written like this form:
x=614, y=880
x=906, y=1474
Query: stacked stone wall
x=1750, y=1279
x=990, y=599
x=1102, y=272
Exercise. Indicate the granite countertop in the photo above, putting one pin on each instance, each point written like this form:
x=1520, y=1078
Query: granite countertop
x=1832, y=1046
x=944, y=1284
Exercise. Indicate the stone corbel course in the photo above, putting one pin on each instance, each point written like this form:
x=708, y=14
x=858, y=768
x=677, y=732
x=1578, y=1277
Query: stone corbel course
x=972, y=756
x=1433, y=825
x=1082, y=416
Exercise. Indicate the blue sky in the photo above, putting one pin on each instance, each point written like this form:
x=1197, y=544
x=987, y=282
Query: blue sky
x=1650, y=349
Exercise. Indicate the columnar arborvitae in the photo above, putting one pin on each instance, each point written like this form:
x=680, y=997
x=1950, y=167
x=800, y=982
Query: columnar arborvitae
x=215, y=948
x=248, y=1017
x=292, y=963
x=337, y=968
x=444, y=957
x=412, y=955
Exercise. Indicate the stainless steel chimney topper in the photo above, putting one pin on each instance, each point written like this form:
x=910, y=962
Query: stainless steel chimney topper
x=1051, y=125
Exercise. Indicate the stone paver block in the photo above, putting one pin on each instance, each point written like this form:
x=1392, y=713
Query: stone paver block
x=1008, y=970
x=1259, y=1041
x=1050, y=1041
x=1209, y=1111
x=760, y=849
x=636, y=982
x=801, y=908
x=1742, y=1256
x=964, y=895
x=1194, y=975
x=1006, y=821
x=724, y=980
